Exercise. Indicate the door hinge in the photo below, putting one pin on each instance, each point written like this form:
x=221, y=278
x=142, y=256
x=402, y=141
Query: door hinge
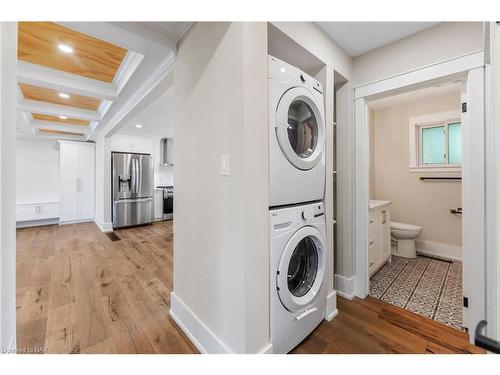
x=466, y=302
x=464, y=107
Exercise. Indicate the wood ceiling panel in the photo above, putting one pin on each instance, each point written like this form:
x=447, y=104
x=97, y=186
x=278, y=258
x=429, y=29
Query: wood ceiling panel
x=50, y=131
x=42, y=94
x=74, y=121
x=92, y=57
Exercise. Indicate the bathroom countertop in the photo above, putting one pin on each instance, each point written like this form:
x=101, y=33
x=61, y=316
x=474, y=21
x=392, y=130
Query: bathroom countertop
x=376, y=205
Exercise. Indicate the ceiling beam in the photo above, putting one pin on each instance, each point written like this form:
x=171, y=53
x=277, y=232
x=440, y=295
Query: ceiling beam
x=37, y=124
x=123, y=36
x=45, y=108
x=157, y=76
x=67, y=137
x=58, y=80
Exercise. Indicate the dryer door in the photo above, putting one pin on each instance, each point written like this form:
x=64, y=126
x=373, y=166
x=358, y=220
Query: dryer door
x=300, y=128
x=301, y=269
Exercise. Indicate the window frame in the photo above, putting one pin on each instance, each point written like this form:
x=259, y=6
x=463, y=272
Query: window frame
x=442, y=119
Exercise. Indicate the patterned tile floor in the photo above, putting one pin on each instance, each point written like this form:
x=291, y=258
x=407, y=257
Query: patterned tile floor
x=426, y=286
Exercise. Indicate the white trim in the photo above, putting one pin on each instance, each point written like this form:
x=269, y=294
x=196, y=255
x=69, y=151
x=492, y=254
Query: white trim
x=76, y=221
x=194, y=328
x=361, y=201
x=46, y=108
x=58, y=80
x=422, y=169
x=127, y=68
x=473, y=199
x=439, y=250
x=37, y=125
x=37, y=223
x=268, y=349
x=492, y=136
x=419, y=76
x=8, y=98
x=414, y=126
x=154, y=80
x=331, y=306
x=345, y=286
x=104, y=227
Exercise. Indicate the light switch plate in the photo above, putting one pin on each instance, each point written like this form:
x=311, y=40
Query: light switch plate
x=225, y=165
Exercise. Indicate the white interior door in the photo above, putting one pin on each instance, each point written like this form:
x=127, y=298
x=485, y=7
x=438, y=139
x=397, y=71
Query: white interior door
x=85, y=181
x=69, y=175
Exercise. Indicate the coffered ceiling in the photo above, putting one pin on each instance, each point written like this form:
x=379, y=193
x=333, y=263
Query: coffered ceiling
x=91, y=57
x=80, y=79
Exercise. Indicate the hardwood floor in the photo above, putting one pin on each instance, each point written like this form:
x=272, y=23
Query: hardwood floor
x=370, y=326
x=78, y=291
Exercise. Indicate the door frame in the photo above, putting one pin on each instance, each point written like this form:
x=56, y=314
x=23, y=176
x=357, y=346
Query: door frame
x=8, y=103
x=470, y=66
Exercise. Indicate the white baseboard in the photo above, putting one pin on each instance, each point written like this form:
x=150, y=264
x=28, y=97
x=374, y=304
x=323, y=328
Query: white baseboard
x=36, y=223
x=438, y=249
x=345, y=286
x=268, y=349
x=104, y=227
x=331, y=306
x=199, y=334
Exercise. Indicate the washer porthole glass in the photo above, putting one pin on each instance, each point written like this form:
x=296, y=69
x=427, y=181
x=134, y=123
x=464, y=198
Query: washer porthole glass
x=303, y=267
x=302, y=128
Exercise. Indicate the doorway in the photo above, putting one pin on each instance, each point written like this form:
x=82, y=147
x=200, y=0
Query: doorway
x=415, y=221
x=471, y=69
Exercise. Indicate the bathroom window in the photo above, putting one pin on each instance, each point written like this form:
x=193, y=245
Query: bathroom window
x=435, y=143
x=440, y=144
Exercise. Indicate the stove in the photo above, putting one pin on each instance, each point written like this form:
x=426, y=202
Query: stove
x=168, y=202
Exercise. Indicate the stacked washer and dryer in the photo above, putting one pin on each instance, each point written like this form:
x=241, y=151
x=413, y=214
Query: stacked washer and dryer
x=297, y=217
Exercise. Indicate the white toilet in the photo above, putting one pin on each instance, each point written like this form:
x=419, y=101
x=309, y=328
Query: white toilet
x=405, y=235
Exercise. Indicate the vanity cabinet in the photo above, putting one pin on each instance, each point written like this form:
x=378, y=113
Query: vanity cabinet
x=379, y=236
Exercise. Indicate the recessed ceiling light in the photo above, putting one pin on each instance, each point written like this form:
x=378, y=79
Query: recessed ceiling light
x=65, y=48
x=63, y=117
x=138, y=126
x=63, y=95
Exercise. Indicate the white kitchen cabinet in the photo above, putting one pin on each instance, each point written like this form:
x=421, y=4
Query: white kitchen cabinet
x=379, y=235
x=158, y=204
x=77, y=174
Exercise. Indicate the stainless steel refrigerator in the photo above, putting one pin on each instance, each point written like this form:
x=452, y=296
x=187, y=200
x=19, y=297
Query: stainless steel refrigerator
x=132, y=180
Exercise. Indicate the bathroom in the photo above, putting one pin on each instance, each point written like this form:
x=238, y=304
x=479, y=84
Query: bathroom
x=415, y=219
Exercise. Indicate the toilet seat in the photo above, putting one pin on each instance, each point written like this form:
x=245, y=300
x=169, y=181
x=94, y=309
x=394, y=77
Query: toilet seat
x=404, y=226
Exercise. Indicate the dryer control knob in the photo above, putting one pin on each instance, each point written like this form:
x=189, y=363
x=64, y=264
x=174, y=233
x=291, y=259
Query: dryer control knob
x=307, y=215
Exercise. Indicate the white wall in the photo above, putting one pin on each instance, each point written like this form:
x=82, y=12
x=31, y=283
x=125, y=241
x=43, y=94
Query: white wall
x=426, y=204
x=438, y=43
x=221, y=242
x=37, y=171
x=8, y=100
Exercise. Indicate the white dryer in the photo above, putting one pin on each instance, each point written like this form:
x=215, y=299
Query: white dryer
x=297, y=268
x=296, y=136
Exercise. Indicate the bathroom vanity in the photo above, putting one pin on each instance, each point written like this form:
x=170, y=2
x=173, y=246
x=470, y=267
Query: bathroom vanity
x=379, y=235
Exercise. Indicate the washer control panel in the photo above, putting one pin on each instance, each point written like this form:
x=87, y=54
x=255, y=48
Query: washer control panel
x=283, y=219
x=310, y=213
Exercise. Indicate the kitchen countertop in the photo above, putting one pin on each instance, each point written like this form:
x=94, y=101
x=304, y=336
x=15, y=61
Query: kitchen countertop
x=376, y=205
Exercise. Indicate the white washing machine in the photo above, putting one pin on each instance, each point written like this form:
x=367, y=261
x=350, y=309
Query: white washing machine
x=296, y=136
x=297, y=268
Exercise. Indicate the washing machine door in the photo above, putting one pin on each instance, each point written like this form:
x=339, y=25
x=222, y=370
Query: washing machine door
x=301, y=269
x=300, y=128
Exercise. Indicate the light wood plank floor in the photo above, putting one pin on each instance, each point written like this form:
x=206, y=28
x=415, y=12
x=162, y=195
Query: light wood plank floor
x=80, y=292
